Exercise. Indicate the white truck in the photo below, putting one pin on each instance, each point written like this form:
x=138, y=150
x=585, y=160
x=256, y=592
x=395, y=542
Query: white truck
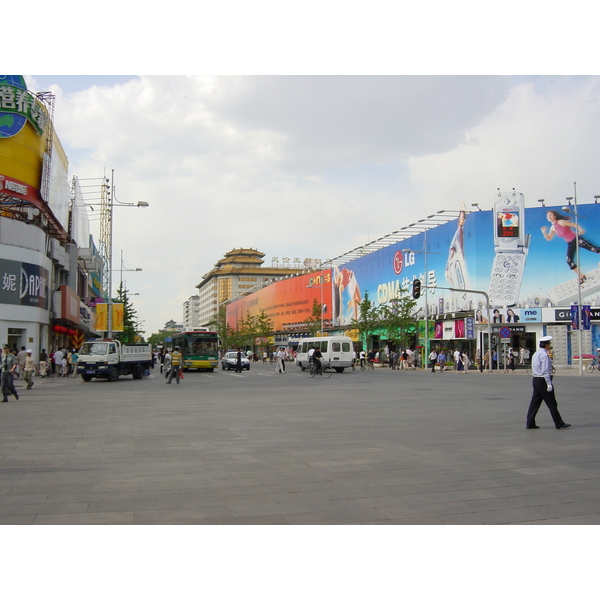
x=110, y=358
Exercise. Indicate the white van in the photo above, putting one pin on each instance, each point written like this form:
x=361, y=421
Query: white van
x=336, y=349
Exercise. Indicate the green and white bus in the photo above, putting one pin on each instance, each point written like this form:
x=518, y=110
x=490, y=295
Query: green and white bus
x=200, y=348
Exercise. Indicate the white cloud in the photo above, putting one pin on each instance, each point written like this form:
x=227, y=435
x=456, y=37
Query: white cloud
x=312, y=166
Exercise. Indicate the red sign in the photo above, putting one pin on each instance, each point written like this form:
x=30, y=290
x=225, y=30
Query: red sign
x=398, y=262
x=18, y=189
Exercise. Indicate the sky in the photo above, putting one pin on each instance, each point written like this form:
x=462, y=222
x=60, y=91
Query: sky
x=304, y=166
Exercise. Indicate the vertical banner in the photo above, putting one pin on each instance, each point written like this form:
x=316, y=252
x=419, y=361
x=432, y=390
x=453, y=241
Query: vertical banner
x=586, y=317
x=117, y=317
x=574, y=316
x=101, y=317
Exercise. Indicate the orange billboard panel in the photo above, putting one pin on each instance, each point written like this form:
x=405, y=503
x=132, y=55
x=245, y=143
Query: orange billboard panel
x=287, y=303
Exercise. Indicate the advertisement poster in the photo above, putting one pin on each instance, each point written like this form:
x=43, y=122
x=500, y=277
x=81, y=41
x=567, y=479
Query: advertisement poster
x=537, y=265
x=288, y=302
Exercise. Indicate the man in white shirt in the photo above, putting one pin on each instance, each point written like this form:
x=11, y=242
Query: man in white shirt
x=543, y=389
x=58, y=356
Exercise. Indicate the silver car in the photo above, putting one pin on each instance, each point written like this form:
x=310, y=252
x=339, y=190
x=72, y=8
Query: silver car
x=229, y=361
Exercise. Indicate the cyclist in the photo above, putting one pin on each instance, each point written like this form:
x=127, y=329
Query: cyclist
x=363, y=359
x=317, y=356
x=371, y=357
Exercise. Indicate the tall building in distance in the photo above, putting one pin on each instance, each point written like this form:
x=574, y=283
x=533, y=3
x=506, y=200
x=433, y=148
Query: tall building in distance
x=191, y=313
x=240, y=272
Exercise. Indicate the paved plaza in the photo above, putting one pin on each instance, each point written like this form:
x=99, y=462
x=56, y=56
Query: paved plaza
x=373, y=447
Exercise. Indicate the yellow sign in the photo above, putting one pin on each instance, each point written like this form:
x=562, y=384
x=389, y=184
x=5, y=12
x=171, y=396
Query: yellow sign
x=101, y=317
x=118, y=314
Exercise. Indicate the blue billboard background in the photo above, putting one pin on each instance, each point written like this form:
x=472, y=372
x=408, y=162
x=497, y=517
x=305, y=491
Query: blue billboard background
x=461, y=254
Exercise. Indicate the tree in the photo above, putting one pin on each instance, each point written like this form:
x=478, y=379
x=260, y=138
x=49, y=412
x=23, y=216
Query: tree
x=130, y=331
x=313, y=323
x=223, y=330
x=368, y=319
x=397, y=320
x=264, y=325
x=247, y=328
x=157, y=339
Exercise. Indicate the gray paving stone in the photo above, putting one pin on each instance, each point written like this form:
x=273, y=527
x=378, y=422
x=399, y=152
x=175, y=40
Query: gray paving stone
x=361, y=448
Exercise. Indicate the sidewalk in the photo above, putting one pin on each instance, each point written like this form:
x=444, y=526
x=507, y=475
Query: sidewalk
x=363, y=447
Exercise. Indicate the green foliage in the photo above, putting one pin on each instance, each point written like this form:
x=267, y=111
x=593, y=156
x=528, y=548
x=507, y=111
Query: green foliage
x=397, y=320
x=131, y=332
x=394, y=320
x=313, y=323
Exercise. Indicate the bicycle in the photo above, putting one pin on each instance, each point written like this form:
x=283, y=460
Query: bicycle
x=326, y=370
x=593, y=366
x=371, y=365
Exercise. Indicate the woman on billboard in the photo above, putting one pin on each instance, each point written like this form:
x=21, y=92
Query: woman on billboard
x=564, y=228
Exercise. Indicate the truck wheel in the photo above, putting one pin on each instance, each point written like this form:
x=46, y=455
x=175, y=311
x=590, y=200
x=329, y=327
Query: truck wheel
x=137, y=372
x=339, y=369
x=113, y=374
x=87, y=378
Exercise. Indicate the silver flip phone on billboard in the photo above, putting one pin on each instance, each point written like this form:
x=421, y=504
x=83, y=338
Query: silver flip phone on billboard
x=511, y=246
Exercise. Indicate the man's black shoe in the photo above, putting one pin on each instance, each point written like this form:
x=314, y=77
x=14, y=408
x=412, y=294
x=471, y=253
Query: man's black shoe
x=5, y=400
x=564, y=426
x=533, y=427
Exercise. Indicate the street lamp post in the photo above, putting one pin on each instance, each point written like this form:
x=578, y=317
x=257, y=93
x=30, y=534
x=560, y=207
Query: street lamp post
x=107, y=217
x=577, y=258
x=124, y=269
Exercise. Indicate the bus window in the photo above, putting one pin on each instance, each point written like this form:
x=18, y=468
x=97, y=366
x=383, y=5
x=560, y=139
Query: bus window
x=335, y=347
x=323, y=346
x=345, y=347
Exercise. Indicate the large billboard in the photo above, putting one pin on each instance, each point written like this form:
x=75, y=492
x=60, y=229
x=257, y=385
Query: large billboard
x=528, y=262
x=288, y=302
x=22, y=122
x=523, y=259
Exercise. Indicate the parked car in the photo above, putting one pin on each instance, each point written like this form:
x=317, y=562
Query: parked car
x=229, y=361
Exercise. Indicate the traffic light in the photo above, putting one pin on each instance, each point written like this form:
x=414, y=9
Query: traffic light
x=416, y=292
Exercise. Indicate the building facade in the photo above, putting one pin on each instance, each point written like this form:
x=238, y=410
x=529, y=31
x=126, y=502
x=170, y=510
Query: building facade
x=191, y=312
x=490, y=276
x=238, y=273
x=47, y=256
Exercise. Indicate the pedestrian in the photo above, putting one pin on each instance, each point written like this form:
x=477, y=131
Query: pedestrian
x=433, y=360
x=43, y=364
x=280, y=368
x=21, y=357
x=238, y=362
x=458, y=366
x=166, y=363
x=510, y=363
x=176, y=364
x=69, y=362
x=29, y=369
x=52, y=363
x=57, y=362
x=543, y=388
x=466, y=362
x=441, y=359
x=9, y=364
x=363, y=359
x=74, y=361
x=64, y=371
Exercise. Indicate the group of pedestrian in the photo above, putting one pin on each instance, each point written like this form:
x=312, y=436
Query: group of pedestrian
x=438, y=361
